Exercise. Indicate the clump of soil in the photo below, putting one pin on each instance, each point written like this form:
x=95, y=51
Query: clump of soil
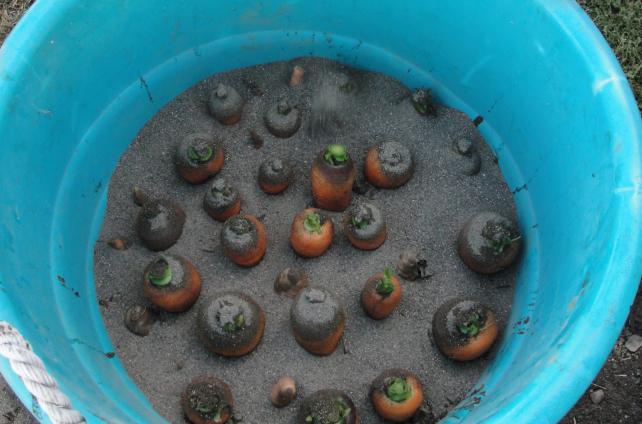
x=358, y=109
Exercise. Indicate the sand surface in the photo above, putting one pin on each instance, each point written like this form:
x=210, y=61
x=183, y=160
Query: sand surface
x=427, y=214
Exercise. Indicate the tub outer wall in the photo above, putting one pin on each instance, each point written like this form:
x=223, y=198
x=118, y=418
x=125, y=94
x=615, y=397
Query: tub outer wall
x=79, y=79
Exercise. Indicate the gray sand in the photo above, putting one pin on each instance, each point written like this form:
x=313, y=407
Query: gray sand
x=427, y=213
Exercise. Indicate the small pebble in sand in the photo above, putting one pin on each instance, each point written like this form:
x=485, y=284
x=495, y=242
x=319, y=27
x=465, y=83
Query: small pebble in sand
x=225, y=104
x=139, y=320
x=119, y=243
x=290, y=281
x=469, y=162
x=297, y=75
x=283, y=392
x=411, y=266
x=140, y=196
x=633, y=343
x=597, y=396
x=256, y=139
x=423, y=102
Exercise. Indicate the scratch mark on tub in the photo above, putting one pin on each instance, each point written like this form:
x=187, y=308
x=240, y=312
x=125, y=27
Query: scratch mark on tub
x=98, y=187
x=143, y=84
x=358, y=45
x=600, y=84
x=77, y=341
x=475, y=68
x=523, y=187
x=497, y=100
x=585, y=282
x=626, y=189
x=521, y=326
x=42, y=111
x=63, y=283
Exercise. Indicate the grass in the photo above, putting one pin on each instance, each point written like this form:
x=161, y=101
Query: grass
x=10, y=12
x=621, y=23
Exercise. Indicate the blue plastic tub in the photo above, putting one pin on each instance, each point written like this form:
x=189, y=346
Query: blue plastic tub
x=78, y=79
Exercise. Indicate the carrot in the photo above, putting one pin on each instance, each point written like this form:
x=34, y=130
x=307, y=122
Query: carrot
x=207, y=400
x=244, y=240
x=274, y=176
x=381, y=294
x=230, y=324
x=396, y=395
x=318, y=320
x=222, y=200
x=162, y=289
x=225, y=105
x=311, y=234
x=464, y=329
x=388, y=165
x=364, y=226
x=328, y=405
x=198, y=157
x=332, y=177
x=488, y=243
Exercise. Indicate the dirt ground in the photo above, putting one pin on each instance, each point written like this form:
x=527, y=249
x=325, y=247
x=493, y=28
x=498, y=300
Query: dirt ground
x=620, y=381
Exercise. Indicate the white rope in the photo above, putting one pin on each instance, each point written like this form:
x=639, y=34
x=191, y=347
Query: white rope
x=35, y=377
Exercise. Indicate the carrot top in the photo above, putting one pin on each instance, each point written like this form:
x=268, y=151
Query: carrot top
x=160, y=273
x=312, y=223
x=336, y=154
x=199, y=154
x=398, y=390
x=385, y=286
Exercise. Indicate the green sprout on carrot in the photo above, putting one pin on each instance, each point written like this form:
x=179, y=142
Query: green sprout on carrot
x=160, y=273
x=312, y=223
x=385, y=285
x=236, y=324
x=398, y=390
x=473, y=326
x=336, y=154
x=199, y=154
